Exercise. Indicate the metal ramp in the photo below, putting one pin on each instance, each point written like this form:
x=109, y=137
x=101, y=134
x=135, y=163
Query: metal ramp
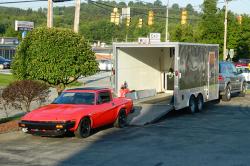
x=150, y=110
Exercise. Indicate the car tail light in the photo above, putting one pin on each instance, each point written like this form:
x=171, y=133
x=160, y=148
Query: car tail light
x=220, y=78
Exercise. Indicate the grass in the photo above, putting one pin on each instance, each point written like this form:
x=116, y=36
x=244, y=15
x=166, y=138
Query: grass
x=6, y=79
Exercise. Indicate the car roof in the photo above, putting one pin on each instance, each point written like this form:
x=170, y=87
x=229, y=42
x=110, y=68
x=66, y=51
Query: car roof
x=225, y=62
x=87, y=89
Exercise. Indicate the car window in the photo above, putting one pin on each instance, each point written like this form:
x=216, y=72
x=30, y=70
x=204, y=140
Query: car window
x=75, y=98
x=233, y=68
x=223, y=68
x=103, y=97
x=229, y=68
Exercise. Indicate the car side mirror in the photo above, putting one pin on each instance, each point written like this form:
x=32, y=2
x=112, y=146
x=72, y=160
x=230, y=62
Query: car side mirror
x=99, y=102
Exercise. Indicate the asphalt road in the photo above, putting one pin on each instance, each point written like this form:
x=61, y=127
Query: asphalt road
x=217, y=136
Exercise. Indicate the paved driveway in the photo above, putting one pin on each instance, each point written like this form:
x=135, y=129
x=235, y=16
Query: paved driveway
x=217, y=136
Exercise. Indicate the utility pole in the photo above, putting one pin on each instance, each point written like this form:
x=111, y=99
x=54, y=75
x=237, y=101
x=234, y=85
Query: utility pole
x=166, y=39
x=50, y=14
x=77, y=16
x=225, y=32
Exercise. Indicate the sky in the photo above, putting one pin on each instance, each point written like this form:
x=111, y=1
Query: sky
x=237, y=6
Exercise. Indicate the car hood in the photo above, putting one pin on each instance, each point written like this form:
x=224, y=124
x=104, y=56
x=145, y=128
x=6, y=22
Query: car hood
x=58, y=112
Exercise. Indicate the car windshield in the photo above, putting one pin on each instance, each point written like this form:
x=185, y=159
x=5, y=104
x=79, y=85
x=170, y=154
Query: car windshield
x=75, y=98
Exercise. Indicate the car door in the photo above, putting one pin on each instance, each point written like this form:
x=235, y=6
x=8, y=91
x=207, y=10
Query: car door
x=231, y=76
x=237, y=77
x=248, y=75
x=104, y=109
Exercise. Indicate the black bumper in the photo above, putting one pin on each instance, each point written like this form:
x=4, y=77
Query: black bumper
x=46, y=128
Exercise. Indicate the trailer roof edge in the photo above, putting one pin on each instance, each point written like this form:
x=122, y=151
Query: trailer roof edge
x=161, y=44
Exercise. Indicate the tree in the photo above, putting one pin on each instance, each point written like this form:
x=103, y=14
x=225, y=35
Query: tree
x=175, y=6
x=183, y=33
x=243, y=48
x=189, y=8
x=157, y=3
x=24, y=92
x=55, y=56
x=212, y=24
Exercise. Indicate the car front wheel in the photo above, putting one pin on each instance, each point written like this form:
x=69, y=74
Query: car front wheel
x=84, y=127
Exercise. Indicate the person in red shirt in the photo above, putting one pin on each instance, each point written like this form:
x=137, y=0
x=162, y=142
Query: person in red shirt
x=124, y=90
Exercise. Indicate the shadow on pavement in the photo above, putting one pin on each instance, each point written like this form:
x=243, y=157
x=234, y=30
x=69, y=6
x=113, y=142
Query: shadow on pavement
x=210, y=137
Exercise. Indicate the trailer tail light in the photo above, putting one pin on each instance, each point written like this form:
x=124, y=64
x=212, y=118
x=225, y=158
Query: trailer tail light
x=220, y=78
x=176, y=73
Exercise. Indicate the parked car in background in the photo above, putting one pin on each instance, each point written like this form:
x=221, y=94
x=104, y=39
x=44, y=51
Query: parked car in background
x=245, y=72
x=230, y=81
x=78, y=110
x=5, y=63
x=105, y=65
x=243, y=63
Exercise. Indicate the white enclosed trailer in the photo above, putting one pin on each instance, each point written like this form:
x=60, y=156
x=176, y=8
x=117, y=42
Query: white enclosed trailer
x=188, y=71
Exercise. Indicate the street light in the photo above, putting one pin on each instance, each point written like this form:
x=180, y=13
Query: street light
x=166, y=39
x=225, y=32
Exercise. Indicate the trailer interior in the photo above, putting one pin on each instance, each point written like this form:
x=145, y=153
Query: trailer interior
x=146, y=68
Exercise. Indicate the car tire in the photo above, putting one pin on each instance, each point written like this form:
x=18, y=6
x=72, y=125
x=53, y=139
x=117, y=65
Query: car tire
x=227, y=95
x=84, y=128
x=200, y=103
x=243, y=90
x=192, y=107
x=121, y=120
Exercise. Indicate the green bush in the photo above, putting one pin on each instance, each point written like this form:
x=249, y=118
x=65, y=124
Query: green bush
x=56, y=56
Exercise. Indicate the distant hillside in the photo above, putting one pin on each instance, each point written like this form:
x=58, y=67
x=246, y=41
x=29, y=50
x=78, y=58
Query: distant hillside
x=95, y=19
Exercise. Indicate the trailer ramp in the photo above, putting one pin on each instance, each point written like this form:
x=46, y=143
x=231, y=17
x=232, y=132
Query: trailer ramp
x=150, y=110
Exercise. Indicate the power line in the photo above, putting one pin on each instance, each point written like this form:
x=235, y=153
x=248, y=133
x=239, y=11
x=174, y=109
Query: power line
x=141, y=13
x=25, y=1
x=9, y=2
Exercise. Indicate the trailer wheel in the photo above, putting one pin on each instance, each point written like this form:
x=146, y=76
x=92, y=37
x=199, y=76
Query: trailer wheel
x=200, y=103
x=227, y=95
x=192, y=104
x=243, y=90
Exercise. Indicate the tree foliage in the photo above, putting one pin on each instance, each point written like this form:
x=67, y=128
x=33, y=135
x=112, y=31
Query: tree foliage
x=206, y=26
x=55, y=56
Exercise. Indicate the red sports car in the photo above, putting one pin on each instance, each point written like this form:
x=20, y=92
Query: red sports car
x=79, y=111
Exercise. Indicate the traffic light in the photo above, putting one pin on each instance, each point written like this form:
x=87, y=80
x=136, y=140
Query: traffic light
x=183, y=17
x=140, y=23
x=239, y=19
x=112, y=17
x=115, y=16
x=150, y=18
x=128, y=21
